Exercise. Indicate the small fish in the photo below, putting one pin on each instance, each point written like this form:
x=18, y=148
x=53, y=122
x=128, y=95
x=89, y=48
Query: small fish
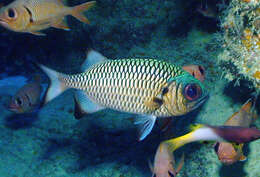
x=197, y=71
x=229, y=153
x=32, y=16
x=147, y=87
x=200, y=132
x=164, y=163
x=27, y=98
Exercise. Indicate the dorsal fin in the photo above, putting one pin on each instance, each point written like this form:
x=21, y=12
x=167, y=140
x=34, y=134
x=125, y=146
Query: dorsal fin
x=93, y=57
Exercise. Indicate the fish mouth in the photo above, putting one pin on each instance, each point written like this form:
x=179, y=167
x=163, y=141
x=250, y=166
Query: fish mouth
x=200, y=101
x=12, y=108
x=4, y=23
x=227, y=161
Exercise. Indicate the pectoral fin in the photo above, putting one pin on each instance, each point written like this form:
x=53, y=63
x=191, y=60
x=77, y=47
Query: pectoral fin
x=146, y=125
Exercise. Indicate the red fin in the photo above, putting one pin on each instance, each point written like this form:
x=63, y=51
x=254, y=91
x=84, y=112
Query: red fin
x=247, y=106
x=78, y=10
x=180, y=164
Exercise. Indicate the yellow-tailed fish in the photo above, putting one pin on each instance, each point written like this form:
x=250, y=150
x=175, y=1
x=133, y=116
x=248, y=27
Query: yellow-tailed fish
x=32, y=16
x=164, y=163
x=148, y=87
x=228, y=153
x=234, y=134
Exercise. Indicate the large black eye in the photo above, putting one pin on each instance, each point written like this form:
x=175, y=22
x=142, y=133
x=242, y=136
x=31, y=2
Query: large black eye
x=18, y=101
x=11, y=13
x=192, y=92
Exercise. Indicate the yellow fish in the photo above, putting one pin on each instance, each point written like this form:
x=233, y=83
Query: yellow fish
x=32, y=16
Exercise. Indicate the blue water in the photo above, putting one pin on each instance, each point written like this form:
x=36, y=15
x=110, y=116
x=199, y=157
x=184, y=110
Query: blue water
x=51, y=142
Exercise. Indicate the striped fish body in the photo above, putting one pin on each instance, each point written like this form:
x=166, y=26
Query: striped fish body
x=126, y=84
x=148, y=87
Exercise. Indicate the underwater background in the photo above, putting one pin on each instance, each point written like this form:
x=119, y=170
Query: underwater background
x=51, y=142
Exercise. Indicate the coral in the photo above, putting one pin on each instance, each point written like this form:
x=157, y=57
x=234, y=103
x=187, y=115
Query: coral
x=240, y=59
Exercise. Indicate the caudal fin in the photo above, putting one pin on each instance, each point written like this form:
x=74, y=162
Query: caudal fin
x=77, y=11
x=56, y=86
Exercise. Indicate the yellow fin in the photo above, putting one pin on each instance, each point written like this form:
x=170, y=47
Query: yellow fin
x=194, y=127
x=61, y=24
x=78, y=10
x=178, y=142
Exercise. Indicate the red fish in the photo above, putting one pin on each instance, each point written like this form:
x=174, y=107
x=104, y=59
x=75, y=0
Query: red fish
x=229, y=153
x=197, y=71
x=27, y=98
x=164, y=163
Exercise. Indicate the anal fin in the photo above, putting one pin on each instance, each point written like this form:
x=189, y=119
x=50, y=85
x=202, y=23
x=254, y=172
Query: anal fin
x=84, y=105
x=61, y=24
x=37, y=33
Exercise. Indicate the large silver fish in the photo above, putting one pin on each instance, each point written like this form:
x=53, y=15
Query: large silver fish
x=148, y=87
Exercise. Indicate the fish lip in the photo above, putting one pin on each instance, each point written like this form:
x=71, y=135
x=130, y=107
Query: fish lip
x=227, y=161
x=200, y=101
x=12, y=107
x=3, y=22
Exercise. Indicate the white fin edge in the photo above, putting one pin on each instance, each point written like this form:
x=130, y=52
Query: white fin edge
x=93, y=57
x=146, y=123
x=56, y=86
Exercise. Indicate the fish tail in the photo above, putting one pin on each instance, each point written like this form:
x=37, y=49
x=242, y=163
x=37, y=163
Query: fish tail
x=178, y=142
x=77, y=11
x=56, y=86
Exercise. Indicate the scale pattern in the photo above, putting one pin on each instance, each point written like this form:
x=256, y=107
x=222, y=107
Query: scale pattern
x=126, y=84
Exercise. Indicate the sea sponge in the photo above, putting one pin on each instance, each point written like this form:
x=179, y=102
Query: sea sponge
x=240, y=58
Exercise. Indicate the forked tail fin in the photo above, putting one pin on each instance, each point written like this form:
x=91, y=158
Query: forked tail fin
x=78, y=10
x=56, y=86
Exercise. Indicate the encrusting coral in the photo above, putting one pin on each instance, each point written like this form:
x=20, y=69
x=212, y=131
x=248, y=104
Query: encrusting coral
x=240, y=23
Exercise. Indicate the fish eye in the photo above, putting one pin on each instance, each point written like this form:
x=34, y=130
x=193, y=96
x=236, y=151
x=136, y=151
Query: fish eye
x=18, y=101
x=192, y=92
x=202, y=70
x=11, y=13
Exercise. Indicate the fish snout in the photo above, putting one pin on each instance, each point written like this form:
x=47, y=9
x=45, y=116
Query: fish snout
x=228, y=161
x=13, y=107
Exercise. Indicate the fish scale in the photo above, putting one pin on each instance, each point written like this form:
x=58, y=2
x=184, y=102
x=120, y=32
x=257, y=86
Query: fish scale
x=125, y=84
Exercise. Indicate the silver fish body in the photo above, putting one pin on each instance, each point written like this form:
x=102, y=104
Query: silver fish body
x=125, y=84
x=148, y=87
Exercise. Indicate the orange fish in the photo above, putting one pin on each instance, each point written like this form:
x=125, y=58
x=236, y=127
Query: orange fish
x=197, y=71
x=229, y=153
x=27, y=98
x=164, y=163
x=32, y=16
